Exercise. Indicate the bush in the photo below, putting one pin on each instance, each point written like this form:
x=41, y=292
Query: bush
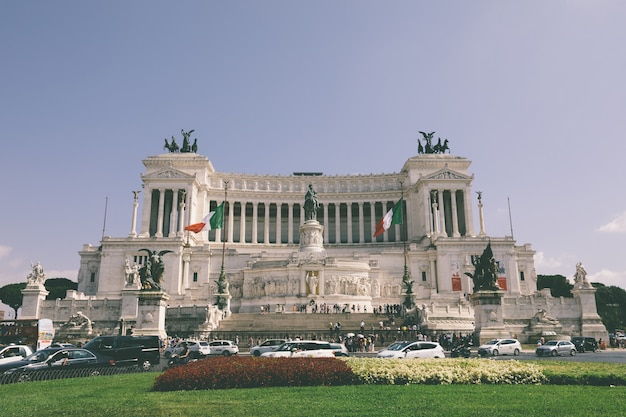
x=251, y=372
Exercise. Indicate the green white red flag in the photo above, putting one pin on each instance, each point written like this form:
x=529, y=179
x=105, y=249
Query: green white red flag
x=393, y=216
x=211, y=221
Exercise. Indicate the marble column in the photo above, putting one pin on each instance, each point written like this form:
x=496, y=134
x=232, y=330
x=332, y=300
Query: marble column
x=255, y=221
x=133, y=224
x=159, y=232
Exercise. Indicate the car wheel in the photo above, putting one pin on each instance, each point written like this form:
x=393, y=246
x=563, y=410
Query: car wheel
x=256, y=353
x=23, y=378
x=146, y=365
x=572, y=352
x=95, y=372
x=495, y=352
x=554, y=353
x=516, y=352
x=226, y=353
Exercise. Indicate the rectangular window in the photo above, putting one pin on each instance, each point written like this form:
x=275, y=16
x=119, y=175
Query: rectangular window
x=423, y=275
x=521, y=275
x=93, y=277
x=195, y=277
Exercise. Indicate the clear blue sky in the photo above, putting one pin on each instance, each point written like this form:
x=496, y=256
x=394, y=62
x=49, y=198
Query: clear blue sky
x=533, y=92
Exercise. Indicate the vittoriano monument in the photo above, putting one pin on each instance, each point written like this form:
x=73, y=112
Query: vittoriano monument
x=485, y=274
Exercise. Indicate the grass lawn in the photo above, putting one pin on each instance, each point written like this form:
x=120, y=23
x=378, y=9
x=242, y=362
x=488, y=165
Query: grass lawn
x=131, y=395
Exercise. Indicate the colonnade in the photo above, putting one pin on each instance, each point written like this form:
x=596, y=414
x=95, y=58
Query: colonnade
x=261, y=222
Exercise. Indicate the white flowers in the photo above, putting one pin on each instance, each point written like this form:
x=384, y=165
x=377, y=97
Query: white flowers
x=444, y=371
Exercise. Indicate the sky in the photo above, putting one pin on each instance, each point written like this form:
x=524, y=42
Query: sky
x=532, y=92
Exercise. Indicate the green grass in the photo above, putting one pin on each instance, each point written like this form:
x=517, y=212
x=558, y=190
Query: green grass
x=131, y=395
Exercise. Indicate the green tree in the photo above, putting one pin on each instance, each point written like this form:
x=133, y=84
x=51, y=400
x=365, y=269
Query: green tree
x=558, y=284
x=611, y=304
x=57, y=287
x=11, y=295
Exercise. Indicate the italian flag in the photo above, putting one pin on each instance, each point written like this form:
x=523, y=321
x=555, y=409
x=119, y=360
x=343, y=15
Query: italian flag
x=211, y=221
x=393, y=216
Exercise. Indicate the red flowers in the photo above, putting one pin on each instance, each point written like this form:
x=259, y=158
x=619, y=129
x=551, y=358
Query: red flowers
x=251, y=372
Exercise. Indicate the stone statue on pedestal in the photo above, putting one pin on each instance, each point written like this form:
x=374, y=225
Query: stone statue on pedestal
x=37, y=276
x=485, y=275
x=580, y=277
x=151, y=274
x=310, y=204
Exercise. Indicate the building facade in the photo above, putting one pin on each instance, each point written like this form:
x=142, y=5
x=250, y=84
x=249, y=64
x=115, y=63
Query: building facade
x=272, y=257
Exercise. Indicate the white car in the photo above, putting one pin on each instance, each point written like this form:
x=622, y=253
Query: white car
x=302, y=349
x=223, y=347
x=411, y=350
x=197, y=349
x=14, y=353
x=497, y=347
x=269, y=345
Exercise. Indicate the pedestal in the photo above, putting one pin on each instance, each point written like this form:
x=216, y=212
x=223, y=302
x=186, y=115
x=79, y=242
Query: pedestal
x=130, y=304
x=488, y=319
x=151, y=314
x=590, y=321
x=34, y=295
x=312, y=238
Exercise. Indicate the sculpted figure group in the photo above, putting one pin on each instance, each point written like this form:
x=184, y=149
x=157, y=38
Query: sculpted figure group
x=439, y=147
x=485, y=274
x=186, y=147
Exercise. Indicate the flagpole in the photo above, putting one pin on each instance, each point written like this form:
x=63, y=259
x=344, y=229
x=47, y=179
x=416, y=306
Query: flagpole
x=408, y=302
x=224, y=226
x=222, y=282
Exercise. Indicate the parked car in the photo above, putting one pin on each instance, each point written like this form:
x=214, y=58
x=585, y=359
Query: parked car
x=61, y=345
x=61, y=360
x=143, y=351
x=39, y=356
x=302, y=349
x=223, y=347
x=585, y=344
x=412, y=350
x=269, y=345
x=556, y=348
x=14, y=353
x=197, y=349
x=339, y=349
x=497, y=347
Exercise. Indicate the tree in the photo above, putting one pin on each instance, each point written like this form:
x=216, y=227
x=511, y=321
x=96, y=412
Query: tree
x=57, y=287
x=11, y=295
x=558, y=284
x=611, y=303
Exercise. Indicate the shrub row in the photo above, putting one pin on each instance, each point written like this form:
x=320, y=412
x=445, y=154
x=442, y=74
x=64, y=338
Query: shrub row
x=250, y=372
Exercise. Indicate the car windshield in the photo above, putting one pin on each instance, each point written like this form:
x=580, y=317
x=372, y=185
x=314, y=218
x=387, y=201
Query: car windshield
x=550, y=343
x=40, y=356
x=492, y=342
x=398, y=346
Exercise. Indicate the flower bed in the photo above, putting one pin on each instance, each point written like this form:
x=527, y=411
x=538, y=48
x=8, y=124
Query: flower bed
x=249, y=372
x=444, y=371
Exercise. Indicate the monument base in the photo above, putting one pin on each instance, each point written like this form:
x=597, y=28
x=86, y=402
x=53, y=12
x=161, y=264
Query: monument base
x=489, y=322
x=151, y=314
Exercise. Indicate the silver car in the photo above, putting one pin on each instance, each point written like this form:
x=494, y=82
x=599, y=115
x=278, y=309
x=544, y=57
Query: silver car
x=556, y=348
